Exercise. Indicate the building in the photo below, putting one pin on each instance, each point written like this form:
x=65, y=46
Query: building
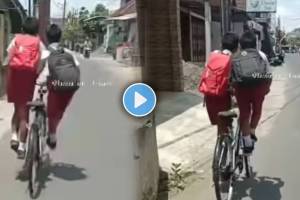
x=11, y=17
x=257, y=16
x=192, y=28
x=122, y=36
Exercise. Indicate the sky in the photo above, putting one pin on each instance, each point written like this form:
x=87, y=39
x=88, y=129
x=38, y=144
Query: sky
x=56, y=5
x=289, y=12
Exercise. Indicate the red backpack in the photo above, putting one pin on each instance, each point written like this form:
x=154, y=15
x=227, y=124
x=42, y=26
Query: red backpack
x=214, y=80
x=25, y=54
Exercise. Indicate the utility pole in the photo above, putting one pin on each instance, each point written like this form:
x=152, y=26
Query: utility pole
x=35, y=8
x=44, y=8
x=208, y=32
x=64, y=13
x=29, y=8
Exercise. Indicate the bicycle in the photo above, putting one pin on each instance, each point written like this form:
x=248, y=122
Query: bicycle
x=36, y=143
x=229, y=160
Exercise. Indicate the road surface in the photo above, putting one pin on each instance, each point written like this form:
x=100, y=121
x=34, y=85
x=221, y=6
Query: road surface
x=96, y=147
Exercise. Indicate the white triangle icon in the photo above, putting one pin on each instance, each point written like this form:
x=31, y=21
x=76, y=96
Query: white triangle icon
x=139, y=100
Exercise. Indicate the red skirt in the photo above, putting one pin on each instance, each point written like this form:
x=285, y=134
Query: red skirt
x=20, y=85
x=214, y=105
x=57, y=103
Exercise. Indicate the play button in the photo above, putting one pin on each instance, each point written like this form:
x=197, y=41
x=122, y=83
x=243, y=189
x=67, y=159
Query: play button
x=139, y=100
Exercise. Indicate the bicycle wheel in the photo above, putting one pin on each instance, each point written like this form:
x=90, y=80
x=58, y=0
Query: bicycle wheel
x=248, y=167
x=33, y=161
x=221, y=169
x=41, y=121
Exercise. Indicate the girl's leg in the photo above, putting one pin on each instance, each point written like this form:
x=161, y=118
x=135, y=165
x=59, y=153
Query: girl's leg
x=256, y=114
x=14, y=143
x=244, y=103
x=23, y=113
x=57, y=105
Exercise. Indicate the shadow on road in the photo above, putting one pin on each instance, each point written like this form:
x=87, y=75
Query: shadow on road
x=259, y=188
x=67, y=172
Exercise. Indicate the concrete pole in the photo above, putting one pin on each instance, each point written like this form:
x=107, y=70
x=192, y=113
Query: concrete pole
x=191, y=36
x=44, y=7
x=207, y=28
x=222, y=17
x=29, y=8
x=64, y=13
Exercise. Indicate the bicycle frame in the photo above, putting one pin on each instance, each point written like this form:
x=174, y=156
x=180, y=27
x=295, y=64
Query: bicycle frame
x=40, y=116
x=36, y=140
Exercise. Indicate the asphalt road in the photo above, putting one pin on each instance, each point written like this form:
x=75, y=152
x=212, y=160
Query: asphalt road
x=276, y=160
x=95, y=154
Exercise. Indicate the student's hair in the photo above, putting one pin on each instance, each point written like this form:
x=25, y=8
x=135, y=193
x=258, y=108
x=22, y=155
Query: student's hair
x=230, y=42
x=248, y=40
x=54, y=33
x=30, y=26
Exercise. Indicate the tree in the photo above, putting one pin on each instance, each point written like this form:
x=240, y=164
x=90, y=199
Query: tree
x=83, y=14
x=280, y=34
x=73, y=30
x=100, y=10
x=92, y=26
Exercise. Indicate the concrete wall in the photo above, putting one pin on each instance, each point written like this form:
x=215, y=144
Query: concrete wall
x=238, y=28
x=216, y=35
x=5, y=29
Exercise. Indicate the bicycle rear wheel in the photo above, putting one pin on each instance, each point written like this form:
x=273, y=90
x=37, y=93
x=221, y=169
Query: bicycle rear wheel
x=33, y=162
x=222, y=176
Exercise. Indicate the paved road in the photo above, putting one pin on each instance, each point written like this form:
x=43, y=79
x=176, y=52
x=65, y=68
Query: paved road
x=276, y=160
x=95, y=155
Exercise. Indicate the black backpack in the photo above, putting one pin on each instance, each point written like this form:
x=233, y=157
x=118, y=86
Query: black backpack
x=64, y=74
x=249, y=69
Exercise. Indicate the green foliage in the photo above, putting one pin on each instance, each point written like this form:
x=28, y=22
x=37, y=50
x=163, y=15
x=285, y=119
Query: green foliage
x=294, y=41
x=92, y=26
x=73, y=30
x=79, y=26
x=100, y=10
x=178, y=177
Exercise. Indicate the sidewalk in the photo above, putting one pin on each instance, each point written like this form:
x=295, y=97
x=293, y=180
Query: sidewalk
x=6, y=111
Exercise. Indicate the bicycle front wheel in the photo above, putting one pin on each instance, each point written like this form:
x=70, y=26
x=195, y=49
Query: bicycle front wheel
x=33, y=161
x=221, y=169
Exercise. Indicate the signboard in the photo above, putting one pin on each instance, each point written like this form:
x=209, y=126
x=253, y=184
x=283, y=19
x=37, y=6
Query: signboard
x=261, y=6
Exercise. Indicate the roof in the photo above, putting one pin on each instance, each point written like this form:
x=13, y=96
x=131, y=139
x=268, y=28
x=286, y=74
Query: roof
x=95, y=18
x=123, y=17
x=129, y=8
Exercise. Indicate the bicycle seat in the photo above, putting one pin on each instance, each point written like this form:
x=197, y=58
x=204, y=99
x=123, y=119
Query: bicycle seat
x=36, y=104
x=228, y=114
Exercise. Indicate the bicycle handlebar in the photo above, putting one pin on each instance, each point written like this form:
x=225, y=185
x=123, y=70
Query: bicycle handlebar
x=41, y=84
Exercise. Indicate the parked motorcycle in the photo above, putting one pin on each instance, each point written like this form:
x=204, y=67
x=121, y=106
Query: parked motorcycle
x=87, y=53
x=276, y=61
